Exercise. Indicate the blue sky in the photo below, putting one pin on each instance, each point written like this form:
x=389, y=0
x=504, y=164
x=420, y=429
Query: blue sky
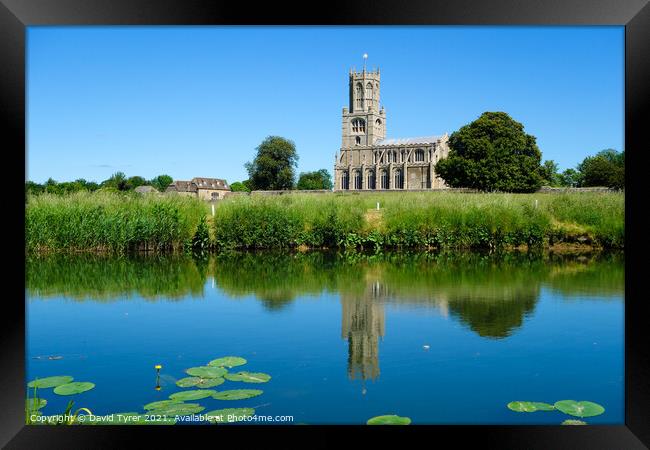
x=197, y=101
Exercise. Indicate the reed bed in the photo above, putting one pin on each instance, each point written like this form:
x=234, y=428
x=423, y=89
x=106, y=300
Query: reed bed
x=114, y=222
x=421, y=219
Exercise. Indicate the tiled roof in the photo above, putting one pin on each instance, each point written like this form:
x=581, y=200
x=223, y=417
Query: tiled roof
x=210, y=183
x=182, y=186
x=409, y=140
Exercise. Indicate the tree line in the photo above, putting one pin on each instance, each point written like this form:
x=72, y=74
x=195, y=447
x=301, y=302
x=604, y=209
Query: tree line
x=117, y=182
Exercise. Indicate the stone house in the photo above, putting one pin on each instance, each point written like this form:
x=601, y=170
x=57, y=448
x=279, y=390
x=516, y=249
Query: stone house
x=208, y=189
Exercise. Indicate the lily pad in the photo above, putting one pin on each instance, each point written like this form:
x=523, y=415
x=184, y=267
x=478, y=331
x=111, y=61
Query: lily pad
x=160, y=404
x=192, y=395
x=579, y=409
x=178, y=409
x=227, y=361
x=573, y=422
x=49, y=382
x=34, y=404
x=543, y=406
x=188, y=382
x=209, y=382
x=206, y=372
x=522, y=406
x=76, y=387
x=237, y=394
x=229, y=415
x=390, y=419
x=248, y=377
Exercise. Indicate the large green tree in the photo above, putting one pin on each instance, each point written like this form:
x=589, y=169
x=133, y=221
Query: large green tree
x=240, y=186
x=606, y=168
x=161, y=182
x=273, y=167
x=493, y=153
x=319, y=179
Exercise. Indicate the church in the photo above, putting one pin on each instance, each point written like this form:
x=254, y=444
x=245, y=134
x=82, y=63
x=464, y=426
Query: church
x=368, y=160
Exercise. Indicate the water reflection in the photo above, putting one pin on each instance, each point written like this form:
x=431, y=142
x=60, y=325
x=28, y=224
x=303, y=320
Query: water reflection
x=489, y=294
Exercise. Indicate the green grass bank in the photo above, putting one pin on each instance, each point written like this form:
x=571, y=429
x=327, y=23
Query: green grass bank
x=418, y=220
x=421, y=220
x=114, y=222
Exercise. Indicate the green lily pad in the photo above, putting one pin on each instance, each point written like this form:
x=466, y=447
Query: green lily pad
x=543, y=406
x=178, y=409
x=237, y=394
x=389, y=420
x=227, y=361
x=520, y=406
x=160, y=404
x=579, y=409
x=188, y=382
x=206, y=372
x=226, y=415
x=76, y=387
x=573, y=422
x=49, y=382
x=34, y=404
x=192, y=395
x=248, y=377
x=209, y=382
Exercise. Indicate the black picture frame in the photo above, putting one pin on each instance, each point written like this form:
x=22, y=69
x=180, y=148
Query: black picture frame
x=16, y=15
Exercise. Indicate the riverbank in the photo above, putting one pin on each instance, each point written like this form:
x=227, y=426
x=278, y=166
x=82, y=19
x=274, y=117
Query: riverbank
x=416, y=220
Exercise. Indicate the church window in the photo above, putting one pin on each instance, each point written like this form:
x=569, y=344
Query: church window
x=419, y=155
x=357, y=179
x=358, y=126
x=359, y=96
x=371, y=179
x=358, y=140
x=384, y=179
x=345, y=180
x=399, y=179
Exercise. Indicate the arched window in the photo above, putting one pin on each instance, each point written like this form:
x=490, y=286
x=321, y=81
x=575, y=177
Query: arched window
x=369, y=96
x=399, y=179
x=357, y=179
x=378, y=122
x=358, y=126
x=384, y=179
x=345, y=180
x=358, y=140
x=359, y=95
x=419, y=155
x=371, y=179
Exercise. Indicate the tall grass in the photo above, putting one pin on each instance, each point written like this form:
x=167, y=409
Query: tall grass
x=422, y=219
x=113, y=222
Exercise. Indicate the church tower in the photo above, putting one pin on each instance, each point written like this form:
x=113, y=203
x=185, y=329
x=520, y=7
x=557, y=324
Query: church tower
x=364, y=122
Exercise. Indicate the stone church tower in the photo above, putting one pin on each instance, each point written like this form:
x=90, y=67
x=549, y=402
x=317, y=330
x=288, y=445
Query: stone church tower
x=369, y=161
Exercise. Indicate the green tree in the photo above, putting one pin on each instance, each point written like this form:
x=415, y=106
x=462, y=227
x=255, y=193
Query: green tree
x=549, y=174
x=161, y=182
x=320, y=179
x=33, y=188
x=239, y=186
x=570, y=178
x=606, y=168
x=492, y=154
x=116, y=181
x=273, y=167
x=134, y=182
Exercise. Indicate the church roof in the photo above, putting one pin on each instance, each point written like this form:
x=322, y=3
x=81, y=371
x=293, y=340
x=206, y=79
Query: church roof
x=409, y=140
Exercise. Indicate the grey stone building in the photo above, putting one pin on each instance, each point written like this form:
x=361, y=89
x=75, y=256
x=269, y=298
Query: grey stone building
x=369, y=161
x=203, y=188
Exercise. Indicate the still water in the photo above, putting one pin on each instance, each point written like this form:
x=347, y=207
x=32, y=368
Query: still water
x=440, y=338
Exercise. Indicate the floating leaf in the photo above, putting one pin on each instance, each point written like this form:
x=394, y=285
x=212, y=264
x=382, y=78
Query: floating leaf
x=522, y=406
x=573, y=422
x=34, y=404
x=192, y=395
x=229, y=415
x=543, y=406
x=49, y=382
x=389, y=420
x=188, y=382
x=237, y=394
x=227, y=361
x=76, y=387
x=206, y=372
x=209, y=382
x=248, y=377
x=178, y=409
x=160, y=404
x=579, y=409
